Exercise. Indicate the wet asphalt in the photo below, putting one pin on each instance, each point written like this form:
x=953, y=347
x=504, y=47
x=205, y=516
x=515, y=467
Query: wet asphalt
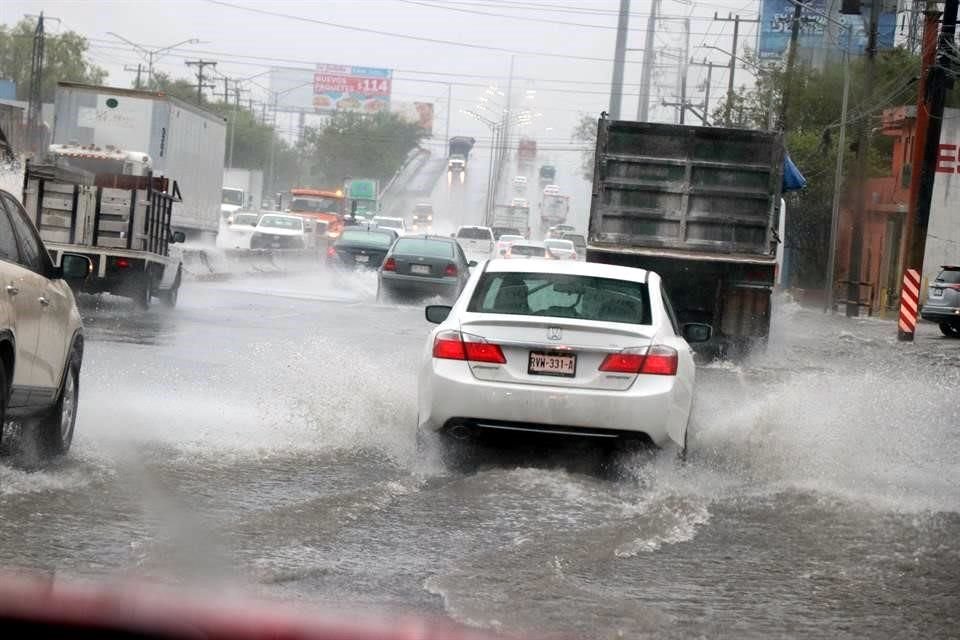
x=261, y=436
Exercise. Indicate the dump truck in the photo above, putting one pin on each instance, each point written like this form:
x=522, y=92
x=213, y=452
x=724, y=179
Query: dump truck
x=184, y=143
x=121, y=222
x=700, y=206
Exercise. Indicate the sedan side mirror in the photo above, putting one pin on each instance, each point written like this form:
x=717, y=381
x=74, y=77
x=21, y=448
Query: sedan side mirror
x=74, y=266
x=437, y=313
x=472, y=263
x=179, y=236
x=696, y=332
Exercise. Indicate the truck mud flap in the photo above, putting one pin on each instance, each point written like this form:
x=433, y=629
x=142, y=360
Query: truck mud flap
x=746, y=312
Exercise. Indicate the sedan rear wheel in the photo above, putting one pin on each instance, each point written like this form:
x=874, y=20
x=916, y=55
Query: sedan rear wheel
x=950, y=329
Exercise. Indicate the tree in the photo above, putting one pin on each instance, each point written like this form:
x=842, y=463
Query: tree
x=586, y=132
x=178, y=88
x=357, y=145
x=813, y=120
x=65, y=58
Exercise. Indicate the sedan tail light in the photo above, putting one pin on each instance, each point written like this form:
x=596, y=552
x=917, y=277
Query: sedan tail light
x=453, y=345
x=331, y=252
x=390, y=264
x=450, y=271
x=656, y=360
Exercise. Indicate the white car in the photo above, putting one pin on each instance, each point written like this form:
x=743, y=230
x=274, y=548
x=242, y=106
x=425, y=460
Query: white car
x=476, y=242
x=526, y=250
x=551, y=190
x=503, y=244
x=41, y=333
x=386, y=222
x=560, y=249
x=277, y=231
x=240, y=227
x=570, y=349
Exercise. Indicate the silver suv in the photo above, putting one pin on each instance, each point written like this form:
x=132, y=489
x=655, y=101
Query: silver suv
x=943, y=301
x=41, y=334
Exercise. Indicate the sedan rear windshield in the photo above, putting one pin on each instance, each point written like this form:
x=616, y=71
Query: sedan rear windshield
x=472, y=233
x=366, y=237
x=527, y=250
x=424, y=247
x=282, y=222
x=246, y=218
x=557, y=295
x=949, y=276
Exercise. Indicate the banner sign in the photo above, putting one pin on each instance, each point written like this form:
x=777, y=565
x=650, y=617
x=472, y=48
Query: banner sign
x=346, y=88
x=816, y=32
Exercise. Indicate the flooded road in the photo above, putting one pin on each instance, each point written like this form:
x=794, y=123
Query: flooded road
x=261, y=436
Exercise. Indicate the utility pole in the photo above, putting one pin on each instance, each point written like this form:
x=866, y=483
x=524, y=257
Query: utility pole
x=838, y=179
x=791, y=62
x=619, y=59
x=138, y=69
x=446, y=136
x=863, y=131
x=736, y=20
x=706, y=96
x=226, y=90
x=646, y=74
x=683, y=69
x=35, y=105
x=201, y=85
x=935, y=82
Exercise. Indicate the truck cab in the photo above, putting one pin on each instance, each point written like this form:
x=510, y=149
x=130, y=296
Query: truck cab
x=320, y=205
x=231, y=201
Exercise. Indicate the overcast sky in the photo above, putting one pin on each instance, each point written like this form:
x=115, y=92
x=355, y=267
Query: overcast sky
x=228, y=32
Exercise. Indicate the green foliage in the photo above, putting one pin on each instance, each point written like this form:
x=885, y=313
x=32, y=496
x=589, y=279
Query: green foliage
x=812, y=131
x=180, y=88
x=355, y=145
x=65, y=58
x=586, y=133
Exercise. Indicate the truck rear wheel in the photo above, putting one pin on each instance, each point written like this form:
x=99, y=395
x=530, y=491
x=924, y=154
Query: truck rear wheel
x=144, y=293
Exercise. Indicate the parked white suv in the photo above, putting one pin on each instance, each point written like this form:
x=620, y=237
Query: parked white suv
x=41, y=333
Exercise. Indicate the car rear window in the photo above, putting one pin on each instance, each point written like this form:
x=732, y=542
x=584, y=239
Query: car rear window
x=424, y=247
x=949, y=276
x=367, y=237
x=246, y=218
x=474, y=233
x=578, y=241
x=560, y=295
x=527, y=250
x=282, y=222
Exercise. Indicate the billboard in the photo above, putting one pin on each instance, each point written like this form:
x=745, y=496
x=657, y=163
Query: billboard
x=418, y=112
x=346, y=88
x=816, y=32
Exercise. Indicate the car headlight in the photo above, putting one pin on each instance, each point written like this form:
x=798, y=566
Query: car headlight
x=429, y=218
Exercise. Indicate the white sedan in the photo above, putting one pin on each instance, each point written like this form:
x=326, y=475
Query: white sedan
x=559, y=348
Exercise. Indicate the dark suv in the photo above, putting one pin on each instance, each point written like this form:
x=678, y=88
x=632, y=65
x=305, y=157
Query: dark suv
x=943, y=301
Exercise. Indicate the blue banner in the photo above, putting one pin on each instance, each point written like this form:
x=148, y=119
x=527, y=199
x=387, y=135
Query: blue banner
x=776, y=23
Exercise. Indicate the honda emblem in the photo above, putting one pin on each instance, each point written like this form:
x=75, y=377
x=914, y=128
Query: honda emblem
x=554, y=333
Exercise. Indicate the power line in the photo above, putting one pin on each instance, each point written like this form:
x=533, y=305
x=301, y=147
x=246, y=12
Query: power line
x=201, y=85
x=405, y=36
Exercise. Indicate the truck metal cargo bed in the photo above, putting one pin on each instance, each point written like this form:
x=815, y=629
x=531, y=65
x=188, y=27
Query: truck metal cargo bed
x=697, y=189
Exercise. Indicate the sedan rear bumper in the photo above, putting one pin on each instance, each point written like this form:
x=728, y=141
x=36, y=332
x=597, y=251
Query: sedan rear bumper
x=453, y=396
x=400, y=284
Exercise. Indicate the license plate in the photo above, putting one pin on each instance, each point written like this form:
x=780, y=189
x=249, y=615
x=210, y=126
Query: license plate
x=420, y=268
x=552, y=364
x=362, y=258
x=937, y=293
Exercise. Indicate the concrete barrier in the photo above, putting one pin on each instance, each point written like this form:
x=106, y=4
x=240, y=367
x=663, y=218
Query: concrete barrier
x=223, y=264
